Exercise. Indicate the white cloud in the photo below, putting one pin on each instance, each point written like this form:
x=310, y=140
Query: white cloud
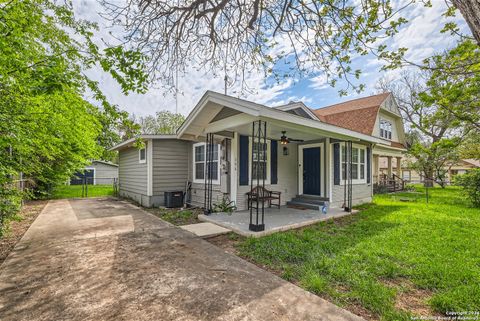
x=319, y=82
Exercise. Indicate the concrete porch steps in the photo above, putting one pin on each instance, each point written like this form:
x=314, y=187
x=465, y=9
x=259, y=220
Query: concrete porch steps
x=309, y=206
x=307, y=201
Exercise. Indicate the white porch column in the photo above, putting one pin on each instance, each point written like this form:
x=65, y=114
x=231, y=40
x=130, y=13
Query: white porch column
x=375, y=169
x=389, y=167
x=234, y=168
x=399, y=166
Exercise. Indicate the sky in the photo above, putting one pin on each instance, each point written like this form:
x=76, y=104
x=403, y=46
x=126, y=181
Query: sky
x=421, y=35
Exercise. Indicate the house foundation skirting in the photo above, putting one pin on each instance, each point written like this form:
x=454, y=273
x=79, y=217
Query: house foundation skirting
x=143, y=200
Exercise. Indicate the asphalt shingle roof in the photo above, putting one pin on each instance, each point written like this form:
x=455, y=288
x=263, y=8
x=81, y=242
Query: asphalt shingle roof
x=357, y=114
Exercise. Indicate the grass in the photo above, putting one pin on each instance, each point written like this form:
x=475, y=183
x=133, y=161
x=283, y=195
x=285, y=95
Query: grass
x=176, y=216
x=392, y=261
x=71, y=191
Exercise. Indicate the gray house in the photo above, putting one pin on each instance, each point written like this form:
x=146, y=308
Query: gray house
x=97, y=173
x=227, y=147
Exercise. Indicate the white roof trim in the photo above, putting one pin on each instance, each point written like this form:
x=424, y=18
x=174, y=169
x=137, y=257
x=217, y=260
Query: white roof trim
x=145, y=136
x=389, y=147
x=104, y=162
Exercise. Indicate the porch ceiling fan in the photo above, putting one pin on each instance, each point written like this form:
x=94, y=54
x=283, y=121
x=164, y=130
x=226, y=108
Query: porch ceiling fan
x=284, y=140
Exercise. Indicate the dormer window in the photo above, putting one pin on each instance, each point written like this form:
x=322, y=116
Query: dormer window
x=385, y=129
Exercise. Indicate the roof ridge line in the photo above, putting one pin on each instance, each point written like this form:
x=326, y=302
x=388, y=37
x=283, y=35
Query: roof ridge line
x=351, y=100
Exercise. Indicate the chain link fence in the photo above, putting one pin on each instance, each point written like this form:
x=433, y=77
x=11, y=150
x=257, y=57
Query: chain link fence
x=79, y=187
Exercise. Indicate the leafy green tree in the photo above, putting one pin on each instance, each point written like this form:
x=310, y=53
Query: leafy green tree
x=434, y=159
x=454, y=81
x=47, y=128
x=441, y=104
x=471, y=185
x=164, y=122
x=470, y=146
x=435, y=131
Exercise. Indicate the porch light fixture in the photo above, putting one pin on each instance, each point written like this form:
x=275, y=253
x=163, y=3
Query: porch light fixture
x=283, y=139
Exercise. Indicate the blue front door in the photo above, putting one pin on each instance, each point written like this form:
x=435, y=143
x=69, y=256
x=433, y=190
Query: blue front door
x=311, y=171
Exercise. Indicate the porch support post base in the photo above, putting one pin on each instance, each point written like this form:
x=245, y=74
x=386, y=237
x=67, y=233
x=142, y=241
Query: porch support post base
x=256, y=227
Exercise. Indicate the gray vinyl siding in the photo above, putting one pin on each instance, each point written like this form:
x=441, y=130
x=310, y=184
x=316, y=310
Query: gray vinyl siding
x=170, y=167
x=287, y=178
x=197, y=194
x=132, y=175
x=104, y=173
x=361, y=193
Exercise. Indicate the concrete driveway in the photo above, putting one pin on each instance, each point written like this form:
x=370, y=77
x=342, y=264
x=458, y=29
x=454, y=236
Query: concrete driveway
x=104, y=259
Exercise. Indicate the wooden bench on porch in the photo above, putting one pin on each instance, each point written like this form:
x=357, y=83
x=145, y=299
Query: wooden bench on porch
x=264, y=195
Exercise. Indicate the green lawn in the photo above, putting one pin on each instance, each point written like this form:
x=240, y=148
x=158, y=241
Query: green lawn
x=391, y=261
x=71, y=191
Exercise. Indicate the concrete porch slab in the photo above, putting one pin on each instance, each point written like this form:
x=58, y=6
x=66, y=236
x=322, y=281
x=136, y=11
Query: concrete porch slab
x=276, y=220
x=205, y=229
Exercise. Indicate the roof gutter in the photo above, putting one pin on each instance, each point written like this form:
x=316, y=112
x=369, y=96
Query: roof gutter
x=145, y=137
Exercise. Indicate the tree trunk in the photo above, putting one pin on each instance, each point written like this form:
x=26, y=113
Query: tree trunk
x=470, y=10
x=428, y=173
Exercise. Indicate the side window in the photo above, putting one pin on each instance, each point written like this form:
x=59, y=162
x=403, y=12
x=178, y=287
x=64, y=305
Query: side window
x=260, y=158
x=385, y=129
x=358, y=163
x=142, y=155
x=199, y=161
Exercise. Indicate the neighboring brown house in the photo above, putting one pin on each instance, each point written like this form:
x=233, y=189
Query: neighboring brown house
x=410, y=175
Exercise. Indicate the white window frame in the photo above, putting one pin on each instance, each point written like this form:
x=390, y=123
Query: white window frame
x=215, y=181
x=358, y=180
x=386, y=132
x=140, y=160
x=269, y=160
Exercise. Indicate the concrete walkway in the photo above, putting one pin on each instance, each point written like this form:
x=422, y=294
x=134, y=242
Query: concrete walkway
x=205, y=230
x=103, y=259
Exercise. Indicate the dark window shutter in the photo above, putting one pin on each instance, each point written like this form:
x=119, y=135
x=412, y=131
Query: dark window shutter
x=243, y=160
x=336, y=164
x=368, y=165
x=273, y=162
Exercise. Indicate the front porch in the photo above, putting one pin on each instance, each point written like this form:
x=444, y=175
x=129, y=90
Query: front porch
x=243, y=153
x=387, y=171
x=282, y=219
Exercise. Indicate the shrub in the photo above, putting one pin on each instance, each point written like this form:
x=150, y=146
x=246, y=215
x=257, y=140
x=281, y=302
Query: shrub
x=380, y=189
x=225, y=206
x=410, y=188
x=471, y=185
x=10, y=204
